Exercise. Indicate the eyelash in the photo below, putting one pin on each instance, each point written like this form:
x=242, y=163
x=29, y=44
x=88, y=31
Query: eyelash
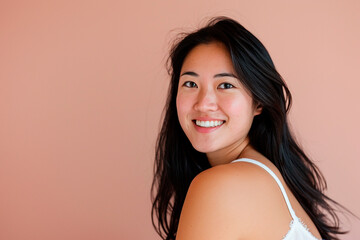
x=226, y=84
x=186, y=84
x=229, y=85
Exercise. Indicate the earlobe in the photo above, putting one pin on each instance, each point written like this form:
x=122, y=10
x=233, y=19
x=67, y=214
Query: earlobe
x=258, y=110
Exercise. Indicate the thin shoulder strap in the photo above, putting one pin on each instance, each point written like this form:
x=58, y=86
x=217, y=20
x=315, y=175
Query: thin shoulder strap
x=292, y=213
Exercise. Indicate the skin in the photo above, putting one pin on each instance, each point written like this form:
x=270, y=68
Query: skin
x=228, y=201
x=209, y=89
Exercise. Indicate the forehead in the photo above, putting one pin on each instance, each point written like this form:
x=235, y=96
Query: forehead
x=211, y=57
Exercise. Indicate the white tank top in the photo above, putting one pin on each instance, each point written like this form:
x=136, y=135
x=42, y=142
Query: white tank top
x=298, y=230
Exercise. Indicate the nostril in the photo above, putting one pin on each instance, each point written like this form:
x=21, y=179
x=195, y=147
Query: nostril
x=206, y=105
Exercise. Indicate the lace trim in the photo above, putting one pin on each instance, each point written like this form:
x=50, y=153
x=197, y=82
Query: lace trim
x=303, y=225
x=307, y=228
x=290, y=226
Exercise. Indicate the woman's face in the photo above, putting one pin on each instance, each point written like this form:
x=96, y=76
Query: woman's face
x=214, y=108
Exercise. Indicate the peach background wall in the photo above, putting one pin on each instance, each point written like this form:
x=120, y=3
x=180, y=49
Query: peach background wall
x=82, y=86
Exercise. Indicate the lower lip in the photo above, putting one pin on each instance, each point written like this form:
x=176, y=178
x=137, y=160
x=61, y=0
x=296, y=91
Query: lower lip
x=206, y=129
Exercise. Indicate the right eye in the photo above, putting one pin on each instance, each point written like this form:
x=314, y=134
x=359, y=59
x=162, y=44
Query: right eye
x=190, y=84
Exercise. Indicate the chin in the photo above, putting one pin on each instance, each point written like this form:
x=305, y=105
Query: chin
x=204, y=149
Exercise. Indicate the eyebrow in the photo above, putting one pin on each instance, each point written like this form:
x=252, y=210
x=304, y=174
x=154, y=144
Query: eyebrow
x=225, y=74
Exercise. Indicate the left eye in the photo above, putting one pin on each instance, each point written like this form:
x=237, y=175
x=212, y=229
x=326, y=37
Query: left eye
x=226, y=86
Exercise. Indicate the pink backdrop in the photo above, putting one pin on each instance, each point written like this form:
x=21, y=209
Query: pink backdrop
x=82, y=86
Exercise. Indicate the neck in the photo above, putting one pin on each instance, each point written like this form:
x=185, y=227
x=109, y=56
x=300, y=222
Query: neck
x=225, y=156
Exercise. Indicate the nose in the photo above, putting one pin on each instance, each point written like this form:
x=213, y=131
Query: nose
x=206, y=101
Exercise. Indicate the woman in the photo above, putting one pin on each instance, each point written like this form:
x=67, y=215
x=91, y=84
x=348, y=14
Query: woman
x=227, y=165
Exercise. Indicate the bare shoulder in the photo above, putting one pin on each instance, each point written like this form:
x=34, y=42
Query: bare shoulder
x=230, y=177
x=228, y=202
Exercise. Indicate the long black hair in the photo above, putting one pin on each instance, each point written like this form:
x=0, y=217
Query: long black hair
x=177, y=162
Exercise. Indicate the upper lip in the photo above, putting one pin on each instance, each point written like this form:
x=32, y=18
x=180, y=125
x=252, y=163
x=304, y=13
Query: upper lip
x=208, y=119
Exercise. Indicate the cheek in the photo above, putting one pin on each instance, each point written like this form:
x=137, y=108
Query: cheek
x=182, y=107
x=182, y=112
x=238, y=107
x=232, y=105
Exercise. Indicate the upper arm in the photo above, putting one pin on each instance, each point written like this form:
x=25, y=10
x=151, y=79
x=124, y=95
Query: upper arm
x=218, y=205
x=227, y=202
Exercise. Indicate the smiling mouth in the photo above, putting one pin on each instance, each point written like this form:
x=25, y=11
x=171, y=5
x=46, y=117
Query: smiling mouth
x=208, y=124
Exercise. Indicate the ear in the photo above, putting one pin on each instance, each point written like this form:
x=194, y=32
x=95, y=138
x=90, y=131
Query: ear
x=258, y=110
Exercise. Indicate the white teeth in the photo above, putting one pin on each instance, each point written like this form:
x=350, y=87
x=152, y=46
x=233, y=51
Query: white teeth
x=209, y=123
